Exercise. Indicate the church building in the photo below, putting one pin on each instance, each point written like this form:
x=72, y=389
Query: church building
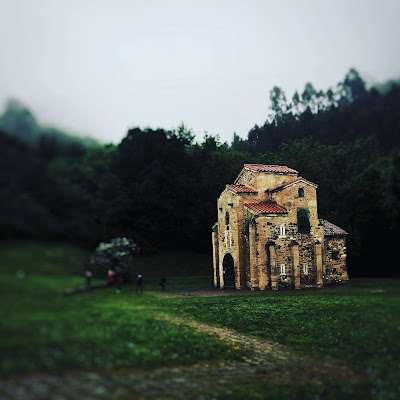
x=268, y=234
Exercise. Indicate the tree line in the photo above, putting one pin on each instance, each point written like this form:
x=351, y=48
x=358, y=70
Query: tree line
x=160, y=187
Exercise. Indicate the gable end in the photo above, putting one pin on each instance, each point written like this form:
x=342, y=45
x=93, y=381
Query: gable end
x=294, y=182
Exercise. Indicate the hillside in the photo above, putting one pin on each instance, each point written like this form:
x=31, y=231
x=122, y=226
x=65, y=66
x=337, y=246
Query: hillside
x=19, y=121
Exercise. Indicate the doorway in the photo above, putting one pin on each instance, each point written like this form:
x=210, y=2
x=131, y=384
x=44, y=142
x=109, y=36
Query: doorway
x=228, y=271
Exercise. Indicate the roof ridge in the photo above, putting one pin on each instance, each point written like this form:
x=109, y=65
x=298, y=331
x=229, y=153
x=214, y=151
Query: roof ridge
x=271, y=168
x=300, y=178
x=330, y=229
x=240, y=188
x=266, y=207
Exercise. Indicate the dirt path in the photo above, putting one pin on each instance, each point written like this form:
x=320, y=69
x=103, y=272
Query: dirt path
x=263, y=360
x=215, y=292
x=268, y=355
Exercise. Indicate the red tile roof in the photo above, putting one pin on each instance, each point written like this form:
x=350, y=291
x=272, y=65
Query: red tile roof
x=331, y=229
x=266, y=208
x=280, y=169
x=241, y=189
x=294, y=181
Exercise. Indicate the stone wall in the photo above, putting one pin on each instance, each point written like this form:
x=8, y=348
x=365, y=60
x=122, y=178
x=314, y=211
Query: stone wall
x=295, y=252
x=335, y=259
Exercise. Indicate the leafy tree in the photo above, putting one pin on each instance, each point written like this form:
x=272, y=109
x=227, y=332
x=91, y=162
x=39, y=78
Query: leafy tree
x=115, y=255
x=296, y=104
x=184, y=135
x=278, y=103
x=309, y=97
x=354, y=86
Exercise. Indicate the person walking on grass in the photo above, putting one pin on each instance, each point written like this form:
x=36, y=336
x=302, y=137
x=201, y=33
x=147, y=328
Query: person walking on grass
x=88, y=275
x=139, y=282
x=163, y=282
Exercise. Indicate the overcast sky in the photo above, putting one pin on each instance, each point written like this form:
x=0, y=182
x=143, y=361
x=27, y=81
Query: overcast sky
x=100, y=67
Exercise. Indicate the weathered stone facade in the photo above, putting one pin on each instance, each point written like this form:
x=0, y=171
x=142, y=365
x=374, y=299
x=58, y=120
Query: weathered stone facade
x=268, y=234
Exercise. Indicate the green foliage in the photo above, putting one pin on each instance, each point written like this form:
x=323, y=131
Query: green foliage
x=118, y=252
x=343, y=114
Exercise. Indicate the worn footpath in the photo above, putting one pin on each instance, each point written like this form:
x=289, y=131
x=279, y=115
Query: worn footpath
x=263, y=360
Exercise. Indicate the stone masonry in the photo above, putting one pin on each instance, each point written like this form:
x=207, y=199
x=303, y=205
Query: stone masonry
x=268, y=234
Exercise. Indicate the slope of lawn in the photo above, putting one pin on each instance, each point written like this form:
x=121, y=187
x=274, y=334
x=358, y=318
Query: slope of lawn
x=358, y=324
x=41, y=329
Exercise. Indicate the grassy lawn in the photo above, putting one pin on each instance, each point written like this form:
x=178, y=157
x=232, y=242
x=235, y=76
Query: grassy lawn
x=358, y=324
x=43, y=330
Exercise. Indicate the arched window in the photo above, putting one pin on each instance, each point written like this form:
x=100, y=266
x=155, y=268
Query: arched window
x=282, y=232
x=301, y=192
x=303, y=221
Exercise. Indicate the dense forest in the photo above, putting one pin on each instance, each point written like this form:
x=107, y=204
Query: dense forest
x=160, y=187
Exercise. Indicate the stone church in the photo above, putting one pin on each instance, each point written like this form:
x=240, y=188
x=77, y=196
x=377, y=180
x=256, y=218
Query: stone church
x=268, y=234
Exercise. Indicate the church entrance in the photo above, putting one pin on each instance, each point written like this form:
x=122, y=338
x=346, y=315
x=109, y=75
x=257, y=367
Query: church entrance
x=228, y=271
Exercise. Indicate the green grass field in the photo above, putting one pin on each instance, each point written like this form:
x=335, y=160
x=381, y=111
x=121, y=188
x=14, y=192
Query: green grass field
x=358, y=324
x=43, y=330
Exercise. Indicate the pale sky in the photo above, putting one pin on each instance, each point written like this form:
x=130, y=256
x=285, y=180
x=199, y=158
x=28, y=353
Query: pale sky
x=100, y=67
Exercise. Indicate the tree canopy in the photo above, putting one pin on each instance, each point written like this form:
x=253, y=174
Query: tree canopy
x=159, y=187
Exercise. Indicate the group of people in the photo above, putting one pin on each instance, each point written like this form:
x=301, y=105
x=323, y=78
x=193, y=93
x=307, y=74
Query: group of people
x=118, y=277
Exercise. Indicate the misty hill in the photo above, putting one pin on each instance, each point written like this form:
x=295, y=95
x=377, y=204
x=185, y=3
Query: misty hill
x=19, y=121
x=386, y=86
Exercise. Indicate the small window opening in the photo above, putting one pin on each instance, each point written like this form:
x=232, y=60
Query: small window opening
x=305, y=269
x=227, y=220
x=335, y=255
x=301, y=192
x=282, y=231
x=283, y=269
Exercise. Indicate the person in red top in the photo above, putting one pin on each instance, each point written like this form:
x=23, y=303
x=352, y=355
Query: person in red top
x=110, y=277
